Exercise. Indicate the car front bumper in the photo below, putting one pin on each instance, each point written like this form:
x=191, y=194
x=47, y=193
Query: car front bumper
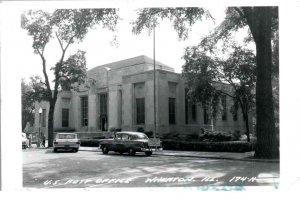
x=151, y=149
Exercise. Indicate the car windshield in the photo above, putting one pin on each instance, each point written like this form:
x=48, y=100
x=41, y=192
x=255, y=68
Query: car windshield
x=66, y=136
x=139, y=136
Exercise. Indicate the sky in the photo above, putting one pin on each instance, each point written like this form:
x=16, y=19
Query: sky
x=99, y=50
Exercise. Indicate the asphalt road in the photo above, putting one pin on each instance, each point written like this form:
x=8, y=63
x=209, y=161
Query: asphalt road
x=42, y=168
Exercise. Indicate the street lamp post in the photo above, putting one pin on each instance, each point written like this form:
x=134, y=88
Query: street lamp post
x=40, y=122
x=154, y=83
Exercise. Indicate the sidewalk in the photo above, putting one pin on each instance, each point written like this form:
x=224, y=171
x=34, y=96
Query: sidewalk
x=248, y=156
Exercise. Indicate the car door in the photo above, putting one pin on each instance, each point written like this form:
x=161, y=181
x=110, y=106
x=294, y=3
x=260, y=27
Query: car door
x=117, y=144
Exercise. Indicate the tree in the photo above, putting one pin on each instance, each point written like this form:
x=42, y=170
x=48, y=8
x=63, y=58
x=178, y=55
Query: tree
x=31, y=92
x=68, y=26
x=262, y=21
x=210, y=77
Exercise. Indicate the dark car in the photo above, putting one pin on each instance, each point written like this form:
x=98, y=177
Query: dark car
x=130, y=142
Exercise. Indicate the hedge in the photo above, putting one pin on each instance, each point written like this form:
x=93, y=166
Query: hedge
x=230, y=146
x=92, y=142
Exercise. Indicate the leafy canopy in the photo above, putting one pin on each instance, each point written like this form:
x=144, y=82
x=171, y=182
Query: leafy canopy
x=68, y=26
x=182, y=18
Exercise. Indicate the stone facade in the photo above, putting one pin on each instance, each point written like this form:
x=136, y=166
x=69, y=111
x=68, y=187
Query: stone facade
x=121, y=95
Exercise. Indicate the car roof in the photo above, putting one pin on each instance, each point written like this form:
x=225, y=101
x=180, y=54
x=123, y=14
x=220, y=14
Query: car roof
x=66, y=134
x=130, y=132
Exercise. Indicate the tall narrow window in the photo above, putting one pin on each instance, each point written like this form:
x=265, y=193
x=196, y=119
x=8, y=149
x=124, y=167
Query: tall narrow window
x=205, y=115
x=140, y=110
x=235, y=116
x=44, y=118
x=103, y=104
x=84, y=111
x=194, y=112
x=224, y=111
x=172, y=116
x=186, y=107
x=103, y=119
x=65, y=117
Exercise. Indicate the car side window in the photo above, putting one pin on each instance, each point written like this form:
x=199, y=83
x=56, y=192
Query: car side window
x=118, y=136
x=125, y=137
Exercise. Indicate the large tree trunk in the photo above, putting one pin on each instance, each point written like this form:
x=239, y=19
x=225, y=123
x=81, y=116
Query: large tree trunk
x=267, y=144
x=51, y=123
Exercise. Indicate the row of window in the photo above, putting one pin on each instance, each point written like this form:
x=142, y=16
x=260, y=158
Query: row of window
x=140, y=112
x=65, y=117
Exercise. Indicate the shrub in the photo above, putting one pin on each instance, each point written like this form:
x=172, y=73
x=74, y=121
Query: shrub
x=215, y=136
x=237, y=135
x=140, y=129
x=114, y=129
x=149, y=133
x=64, y=130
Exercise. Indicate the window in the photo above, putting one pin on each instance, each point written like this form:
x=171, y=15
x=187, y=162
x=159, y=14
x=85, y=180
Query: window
x=84, y=111
x=140, y=110
x=66, y=136
x=186, y=107
x=224, y=111
x=235, y=116
x=125, y=137
x=103, y=104
x=65, y=117
x=194, y=112
x=171, y=110
x=205, y=115
x=44, y=118
x=119, y=136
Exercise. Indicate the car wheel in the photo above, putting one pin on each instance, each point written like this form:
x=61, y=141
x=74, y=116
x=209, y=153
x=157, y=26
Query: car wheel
x=55, y=150
x=75, y=150
x=148, y=153
x=105, y=150
x=131, y=152
x=121, y=153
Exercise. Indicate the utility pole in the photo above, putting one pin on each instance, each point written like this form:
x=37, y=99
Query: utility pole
x=154, y=84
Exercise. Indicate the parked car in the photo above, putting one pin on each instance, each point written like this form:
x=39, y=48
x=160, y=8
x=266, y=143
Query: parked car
x=25, y=141
x=130, y=142
x=66, y=141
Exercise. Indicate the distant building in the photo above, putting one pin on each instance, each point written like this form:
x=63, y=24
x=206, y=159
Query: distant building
x=121, y=95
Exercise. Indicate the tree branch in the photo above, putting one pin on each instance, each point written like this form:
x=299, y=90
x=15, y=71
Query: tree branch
x=60, y=42
x=239, y=11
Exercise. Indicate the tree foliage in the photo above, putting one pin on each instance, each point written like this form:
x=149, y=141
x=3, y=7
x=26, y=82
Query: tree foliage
x=67, y=26
x=31, y=92
x=182, y=19
x=209, y=76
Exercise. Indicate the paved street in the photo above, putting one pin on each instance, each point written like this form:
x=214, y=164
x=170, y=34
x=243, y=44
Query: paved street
x=88, y=169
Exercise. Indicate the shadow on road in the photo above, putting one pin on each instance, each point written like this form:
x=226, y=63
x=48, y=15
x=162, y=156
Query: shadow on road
x=94, y=165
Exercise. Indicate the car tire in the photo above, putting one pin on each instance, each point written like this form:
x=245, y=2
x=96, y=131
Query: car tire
x=55, y=150
x=75, y=150
x=131, y=152
x=148, y=153
x=105, y=150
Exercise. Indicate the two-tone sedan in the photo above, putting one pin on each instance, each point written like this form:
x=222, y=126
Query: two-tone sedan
x=130, y=142
x=66, y=141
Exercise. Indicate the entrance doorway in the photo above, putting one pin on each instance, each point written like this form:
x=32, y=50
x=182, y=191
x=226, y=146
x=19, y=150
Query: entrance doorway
x=103, y=122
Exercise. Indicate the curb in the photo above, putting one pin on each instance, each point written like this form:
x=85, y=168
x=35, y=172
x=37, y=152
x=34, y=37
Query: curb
x=248, y=159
